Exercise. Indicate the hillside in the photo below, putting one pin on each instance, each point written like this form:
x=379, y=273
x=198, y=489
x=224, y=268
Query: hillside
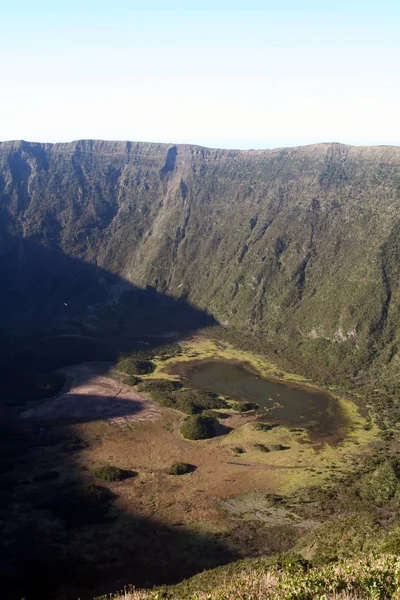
x=370, y=577
x=131, y=271
x=298, y=246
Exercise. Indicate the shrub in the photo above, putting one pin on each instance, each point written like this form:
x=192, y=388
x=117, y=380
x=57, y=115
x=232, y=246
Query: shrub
x=261, y=447
x=208, y=400
x=132, y=380
x=247, y=406
x=187, y=405
x=381, y=485
x=108, y=473
x=167, y=400
x=161, y=391
x=195, y=401
x=132, y=366
x=238, y=450
x=197, y=427
x=169, y=393
x=278, y=447
x=262, y=427
x=391, y=546
x=159, y=385
x=167, y=351
x=180, y=468
x=215, y=414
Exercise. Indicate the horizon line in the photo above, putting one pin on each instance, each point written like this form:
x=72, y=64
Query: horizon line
x=172, y=144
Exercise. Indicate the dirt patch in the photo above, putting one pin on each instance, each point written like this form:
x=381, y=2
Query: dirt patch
x=94, y=391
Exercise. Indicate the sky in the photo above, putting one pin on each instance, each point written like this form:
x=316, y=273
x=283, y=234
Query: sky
x=218, y=74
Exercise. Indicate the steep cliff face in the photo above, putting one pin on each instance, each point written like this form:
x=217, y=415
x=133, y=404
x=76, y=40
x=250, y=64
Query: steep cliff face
x=297, y=245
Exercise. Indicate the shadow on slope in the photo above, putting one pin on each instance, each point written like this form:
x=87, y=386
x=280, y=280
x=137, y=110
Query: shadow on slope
x=57, y=310
x=63, y=535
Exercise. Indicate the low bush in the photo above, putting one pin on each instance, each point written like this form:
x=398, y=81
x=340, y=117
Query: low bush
x=197, y=427
x=161, y=391
x=108, y=473
x=180, y=468
x=391, y=546
x=238, y=450
x=133, y=366
x=159, y=385
x=262, y=427
x=381, y=485
x=278, y=447
x=215, y=414
x=290, y=578
x=196, y=401
x=261, y=447
x=170, y=394
x=132, y=380
x=167, y=351
x=186, y=404
x=247, y=406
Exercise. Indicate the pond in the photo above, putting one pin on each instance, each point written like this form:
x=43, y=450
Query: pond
x=280, y=402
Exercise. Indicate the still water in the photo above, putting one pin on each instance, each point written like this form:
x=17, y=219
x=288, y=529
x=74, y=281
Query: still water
x=296, y=406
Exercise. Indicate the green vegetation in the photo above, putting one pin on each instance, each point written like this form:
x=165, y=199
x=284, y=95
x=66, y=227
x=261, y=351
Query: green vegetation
x=215, y=414
x=380, y=486
x=180, y=468
x=355, y=507
x=246, y=406
x=108, y=473
x=132, y=366
x=262, y=427
x=277, y=447
x=158, y=387
x=164, y=352
x=373, y=577
x=261, y=447
x=196, y=401
x=170, y=393
x=197, y=427
x=132, y=380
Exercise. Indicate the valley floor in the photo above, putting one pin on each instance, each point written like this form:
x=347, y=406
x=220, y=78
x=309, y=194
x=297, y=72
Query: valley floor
x=237, y=502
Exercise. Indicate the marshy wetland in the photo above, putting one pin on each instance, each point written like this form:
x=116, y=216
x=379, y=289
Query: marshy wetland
x=288, y=404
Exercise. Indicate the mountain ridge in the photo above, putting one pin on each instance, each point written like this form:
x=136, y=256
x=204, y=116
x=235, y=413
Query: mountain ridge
x=128, y=144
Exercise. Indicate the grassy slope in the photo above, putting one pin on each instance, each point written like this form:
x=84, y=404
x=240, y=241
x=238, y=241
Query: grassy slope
x=375, y=577
x=297, y=246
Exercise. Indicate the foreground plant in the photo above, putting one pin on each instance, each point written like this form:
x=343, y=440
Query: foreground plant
x=372, y=577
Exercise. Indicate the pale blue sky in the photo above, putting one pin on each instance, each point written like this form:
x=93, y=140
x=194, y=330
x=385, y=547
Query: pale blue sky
x=232, y=75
